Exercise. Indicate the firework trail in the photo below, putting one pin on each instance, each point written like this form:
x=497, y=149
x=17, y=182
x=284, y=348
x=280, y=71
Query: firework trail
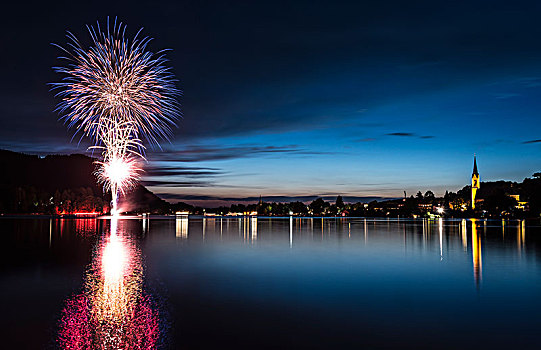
x=117, y=93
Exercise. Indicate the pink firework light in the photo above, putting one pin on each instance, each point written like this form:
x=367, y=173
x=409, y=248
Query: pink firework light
x=114, y=311
x=120, y=169
x=117, y=93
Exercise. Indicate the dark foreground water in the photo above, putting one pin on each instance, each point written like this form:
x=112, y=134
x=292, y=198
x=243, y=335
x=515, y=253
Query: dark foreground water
x=192, y=283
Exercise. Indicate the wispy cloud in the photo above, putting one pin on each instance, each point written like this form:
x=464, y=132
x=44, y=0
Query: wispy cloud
x=409, y=134
x=531, y=141
x=366, y=139
x=530, y=82
x=169, y=170
x=404, y=134
x=505, y=95
x=197, y=153
x=165, y=183
x=175, y=174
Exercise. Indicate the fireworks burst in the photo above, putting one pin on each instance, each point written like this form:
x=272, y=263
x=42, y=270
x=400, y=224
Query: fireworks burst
x=120, y=169
x=117, y=93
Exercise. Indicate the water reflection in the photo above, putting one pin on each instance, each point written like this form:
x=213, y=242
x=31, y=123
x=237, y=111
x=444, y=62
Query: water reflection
x=113, y=312
x=253, y=224
x=146, y=223
x=442, y=237
x=464, y=231
x=371, y=274
x=291, y=231
x=440, y=227
x=476, y=253
x=86, y=226
x=521, y=235
x=181, y=226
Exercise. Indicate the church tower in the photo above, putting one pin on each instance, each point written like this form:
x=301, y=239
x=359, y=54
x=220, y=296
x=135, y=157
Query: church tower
x=474, y=182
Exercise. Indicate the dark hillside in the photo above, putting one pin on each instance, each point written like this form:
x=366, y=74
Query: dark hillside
x=59, y=184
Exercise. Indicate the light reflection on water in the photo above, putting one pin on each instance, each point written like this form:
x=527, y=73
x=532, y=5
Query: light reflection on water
x=476, y=253
x=113, y=312
x=264, y=282
x=423, y=233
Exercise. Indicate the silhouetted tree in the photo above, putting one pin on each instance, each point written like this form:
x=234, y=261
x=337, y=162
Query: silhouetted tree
x=298, y=208
x=429, y=195
x=317, y=206
x=339, y=202
x=498, y=202
x=446, y=198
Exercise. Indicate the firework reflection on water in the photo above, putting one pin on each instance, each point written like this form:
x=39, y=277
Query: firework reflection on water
x=114, y=311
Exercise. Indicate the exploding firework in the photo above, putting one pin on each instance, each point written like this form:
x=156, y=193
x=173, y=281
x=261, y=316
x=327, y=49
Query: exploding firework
x=120, y=170
x=117, y=93
x=117, y=79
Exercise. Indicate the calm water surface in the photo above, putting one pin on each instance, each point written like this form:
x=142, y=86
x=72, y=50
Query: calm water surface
x=176, y=283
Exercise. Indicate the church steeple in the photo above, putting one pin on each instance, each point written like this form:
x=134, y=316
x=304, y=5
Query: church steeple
x=475, y=182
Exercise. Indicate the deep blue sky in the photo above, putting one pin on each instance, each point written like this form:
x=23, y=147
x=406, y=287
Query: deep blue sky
x=307, y=98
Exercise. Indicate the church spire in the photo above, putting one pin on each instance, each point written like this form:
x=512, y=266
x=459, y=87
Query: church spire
x=475, y=182
x=475, y=172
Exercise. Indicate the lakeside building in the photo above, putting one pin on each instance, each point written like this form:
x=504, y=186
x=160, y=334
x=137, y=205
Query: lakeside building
x=478, y=202
x=521, y=205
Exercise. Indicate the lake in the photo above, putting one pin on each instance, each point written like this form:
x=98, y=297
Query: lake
x=255, y=282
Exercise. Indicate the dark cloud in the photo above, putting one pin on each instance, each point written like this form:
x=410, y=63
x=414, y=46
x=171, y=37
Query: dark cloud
x=409, y=134
x=212, y=153
x=168, y=170
x=156, y=171
x=159, y=183
x=405, y=134
x=531, y=141
x=173, y=174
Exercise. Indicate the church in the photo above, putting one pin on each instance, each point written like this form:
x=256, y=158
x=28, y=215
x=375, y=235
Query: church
x=475, y=182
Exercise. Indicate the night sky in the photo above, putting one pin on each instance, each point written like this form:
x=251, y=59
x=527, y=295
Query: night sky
x=306, y=98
